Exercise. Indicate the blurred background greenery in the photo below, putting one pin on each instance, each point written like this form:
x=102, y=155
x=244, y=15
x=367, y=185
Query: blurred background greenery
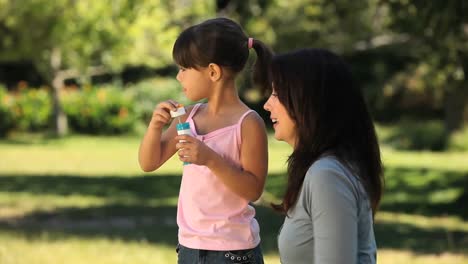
x=79, y=79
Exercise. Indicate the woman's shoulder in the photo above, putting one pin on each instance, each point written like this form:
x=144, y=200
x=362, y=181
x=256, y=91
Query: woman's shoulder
x=331, y=174
x=329, y=170
x=326, y=163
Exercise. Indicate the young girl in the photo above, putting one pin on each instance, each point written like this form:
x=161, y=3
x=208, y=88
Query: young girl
x=335, y=177
x=227, y=154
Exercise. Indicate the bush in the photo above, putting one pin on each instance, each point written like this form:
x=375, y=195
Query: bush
x=91, y=110
x=459, y=140
x=6, y=112
x=418, y=135
x=104, y=110
x=32, y=109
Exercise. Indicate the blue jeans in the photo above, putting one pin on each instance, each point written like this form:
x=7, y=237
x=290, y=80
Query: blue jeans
x=198, y=256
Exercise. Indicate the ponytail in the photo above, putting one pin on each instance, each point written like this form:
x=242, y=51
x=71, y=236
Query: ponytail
x=261, y=74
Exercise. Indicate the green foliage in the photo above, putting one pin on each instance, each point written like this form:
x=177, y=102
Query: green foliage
x=104, y=110
x=411, y=57
x=110, y=109
x=79, y=39
x=436, y=33
x=336, y=25
x=6, y=115
x=95, y=33
x=459, y=140
x=147, y=94
x=418, y=135
x=32, y=109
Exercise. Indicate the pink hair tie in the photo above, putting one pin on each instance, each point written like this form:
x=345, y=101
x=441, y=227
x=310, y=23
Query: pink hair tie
x=250, y=43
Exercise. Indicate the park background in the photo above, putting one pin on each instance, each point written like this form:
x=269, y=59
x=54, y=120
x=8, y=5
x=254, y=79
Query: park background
x=79, y=80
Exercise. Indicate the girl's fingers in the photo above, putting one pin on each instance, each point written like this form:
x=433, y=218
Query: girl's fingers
x=184, y=138
x=183, y=145
x=183, y=155
x=174, y=103
x=167, y=106
x=162, y=111
x=162, y=116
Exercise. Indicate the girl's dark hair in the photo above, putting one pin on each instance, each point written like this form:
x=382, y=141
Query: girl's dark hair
x=317, y=89
x=221, y=41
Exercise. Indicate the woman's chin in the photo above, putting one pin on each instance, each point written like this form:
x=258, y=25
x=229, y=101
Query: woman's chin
x=277, y=137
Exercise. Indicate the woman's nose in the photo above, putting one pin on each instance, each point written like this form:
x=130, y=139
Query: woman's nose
x=266, y=106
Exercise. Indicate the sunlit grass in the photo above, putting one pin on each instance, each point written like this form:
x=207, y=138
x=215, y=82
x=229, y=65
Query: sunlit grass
x=386, y=256
x=43, y=250
x=15, y=250
x=82, y=155
x=448, y=223
x=80, y=251
x=19, y=204
x=77, y=155
x=454, y=161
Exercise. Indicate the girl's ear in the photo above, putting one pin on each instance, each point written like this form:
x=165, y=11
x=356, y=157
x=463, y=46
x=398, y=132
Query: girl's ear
x=215, y=72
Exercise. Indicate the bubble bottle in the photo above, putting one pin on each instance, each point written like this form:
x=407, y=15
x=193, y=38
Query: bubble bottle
x=182, y=128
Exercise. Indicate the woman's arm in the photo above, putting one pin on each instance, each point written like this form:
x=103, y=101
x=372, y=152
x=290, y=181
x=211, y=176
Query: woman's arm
x=333, y=209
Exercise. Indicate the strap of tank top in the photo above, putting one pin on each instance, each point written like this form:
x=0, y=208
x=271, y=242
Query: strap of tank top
x=244, y=115
x=194, y=110
x=239, y=124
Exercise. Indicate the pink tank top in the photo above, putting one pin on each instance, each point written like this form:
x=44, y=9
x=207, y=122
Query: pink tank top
x=209, y=215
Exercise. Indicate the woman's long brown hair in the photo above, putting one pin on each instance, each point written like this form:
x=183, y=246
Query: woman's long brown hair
x=317, y=89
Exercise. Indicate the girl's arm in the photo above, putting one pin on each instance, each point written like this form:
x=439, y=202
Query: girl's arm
x=157, y=146
x=247, y=182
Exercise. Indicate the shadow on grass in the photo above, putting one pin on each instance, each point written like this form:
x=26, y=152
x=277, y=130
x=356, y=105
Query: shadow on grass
x=120, y=188
x=418, y=240
x=158, y=225
x=427, y=192
x=130, y=214
x=129, y=223
x=126, y=223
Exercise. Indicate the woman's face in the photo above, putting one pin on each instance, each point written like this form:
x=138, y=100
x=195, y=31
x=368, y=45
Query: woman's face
x=283, y=124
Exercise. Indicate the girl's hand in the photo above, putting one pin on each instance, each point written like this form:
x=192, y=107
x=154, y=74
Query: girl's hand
x=161, y=115
x=193, y=150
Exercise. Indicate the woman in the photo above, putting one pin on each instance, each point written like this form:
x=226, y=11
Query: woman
x=335, y=176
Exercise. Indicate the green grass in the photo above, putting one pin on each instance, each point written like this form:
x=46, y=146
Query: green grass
x=84, y=200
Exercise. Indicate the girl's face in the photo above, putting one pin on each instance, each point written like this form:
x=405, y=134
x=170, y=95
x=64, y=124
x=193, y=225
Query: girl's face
x=194, y=82
x=283, y=124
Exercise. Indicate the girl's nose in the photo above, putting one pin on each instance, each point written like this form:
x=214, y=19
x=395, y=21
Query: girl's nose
x=178, y=76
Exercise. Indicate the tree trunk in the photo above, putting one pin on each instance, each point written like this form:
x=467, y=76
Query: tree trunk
x=455, y=106
x=456, y=98
x=59, y=117
x=463, y=56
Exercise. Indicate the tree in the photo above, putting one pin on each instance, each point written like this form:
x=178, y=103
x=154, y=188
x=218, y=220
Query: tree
x=438, y=34
x=346, y=27
x=77, y=39
x=431, y=36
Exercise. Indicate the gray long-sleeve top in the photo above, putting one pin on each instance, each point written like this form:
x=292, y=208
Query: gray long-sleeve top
x=332, y=220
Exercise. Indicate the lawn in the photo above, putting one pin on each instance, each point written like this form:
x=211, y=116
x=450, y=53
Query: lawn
x=84, y=200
